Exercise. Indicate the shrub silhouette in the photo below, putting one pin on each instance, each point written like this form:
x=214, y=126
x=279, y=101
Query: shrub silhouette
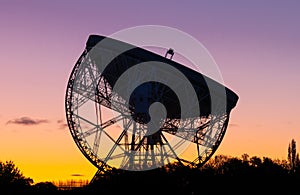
x=221, y=174
x=44, y=188
x=12, y=179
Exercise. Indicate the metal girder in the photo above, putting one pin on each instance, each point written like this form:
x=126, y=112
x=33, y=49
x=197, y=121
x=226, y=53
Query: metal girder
x=139, y=150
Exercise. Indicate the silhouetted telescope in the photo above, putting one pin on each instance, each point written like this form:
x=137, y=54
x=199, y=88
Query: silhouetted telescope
x=147, y=93
x=190, y=109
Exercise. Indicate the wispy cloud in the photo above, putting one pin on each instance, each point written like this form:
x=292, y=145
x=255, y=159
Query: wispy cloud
x=233, y=125
x=60, y=121
x=62, y=124
x=27, y=121
x=77, y=175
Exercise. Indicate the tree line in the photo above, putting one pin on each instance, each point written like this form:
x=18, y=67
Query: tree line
x=234, y=175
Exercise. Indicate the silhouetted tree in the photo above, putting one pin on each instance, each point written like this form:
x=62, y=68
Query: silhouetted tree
x=293, y=156
x=44, y=188
x=245, y=157
x=11, y=178
x=221, y=174
x=255, y=161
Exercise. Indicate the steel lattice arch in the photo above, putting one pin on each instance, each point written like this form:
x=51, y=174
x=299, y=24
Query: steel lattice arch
x=111, y=131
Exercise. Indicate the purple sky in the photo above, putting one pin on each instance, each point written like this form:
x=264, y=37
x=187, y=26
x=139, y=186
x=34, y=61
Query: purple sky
x=256, y=45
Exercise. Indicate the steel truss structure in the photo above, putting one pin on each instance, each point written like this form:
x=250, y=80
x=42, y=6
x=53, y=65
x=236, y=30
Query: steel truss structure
x=121, y=139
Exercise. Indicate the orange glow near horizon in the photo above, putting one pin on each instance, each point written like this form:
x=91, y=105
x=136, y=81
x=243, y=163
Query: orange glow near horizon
x=44, y=153
x=255, y=44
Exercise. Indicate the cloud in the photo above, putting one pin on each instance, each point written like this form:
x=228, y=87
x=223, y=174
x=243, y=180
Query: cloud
x=27, y=121
x=233, y=125
x=62, y=124
x=77, y=175
x=60, y=121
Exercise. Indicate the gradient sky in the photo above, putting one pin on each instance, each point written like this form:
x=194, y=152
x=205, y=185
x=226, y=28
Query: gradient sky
x=256, y=45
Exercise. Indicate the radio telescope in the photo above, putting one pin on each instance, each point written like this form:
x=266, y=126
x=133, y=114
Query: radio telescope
x=126, y=109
